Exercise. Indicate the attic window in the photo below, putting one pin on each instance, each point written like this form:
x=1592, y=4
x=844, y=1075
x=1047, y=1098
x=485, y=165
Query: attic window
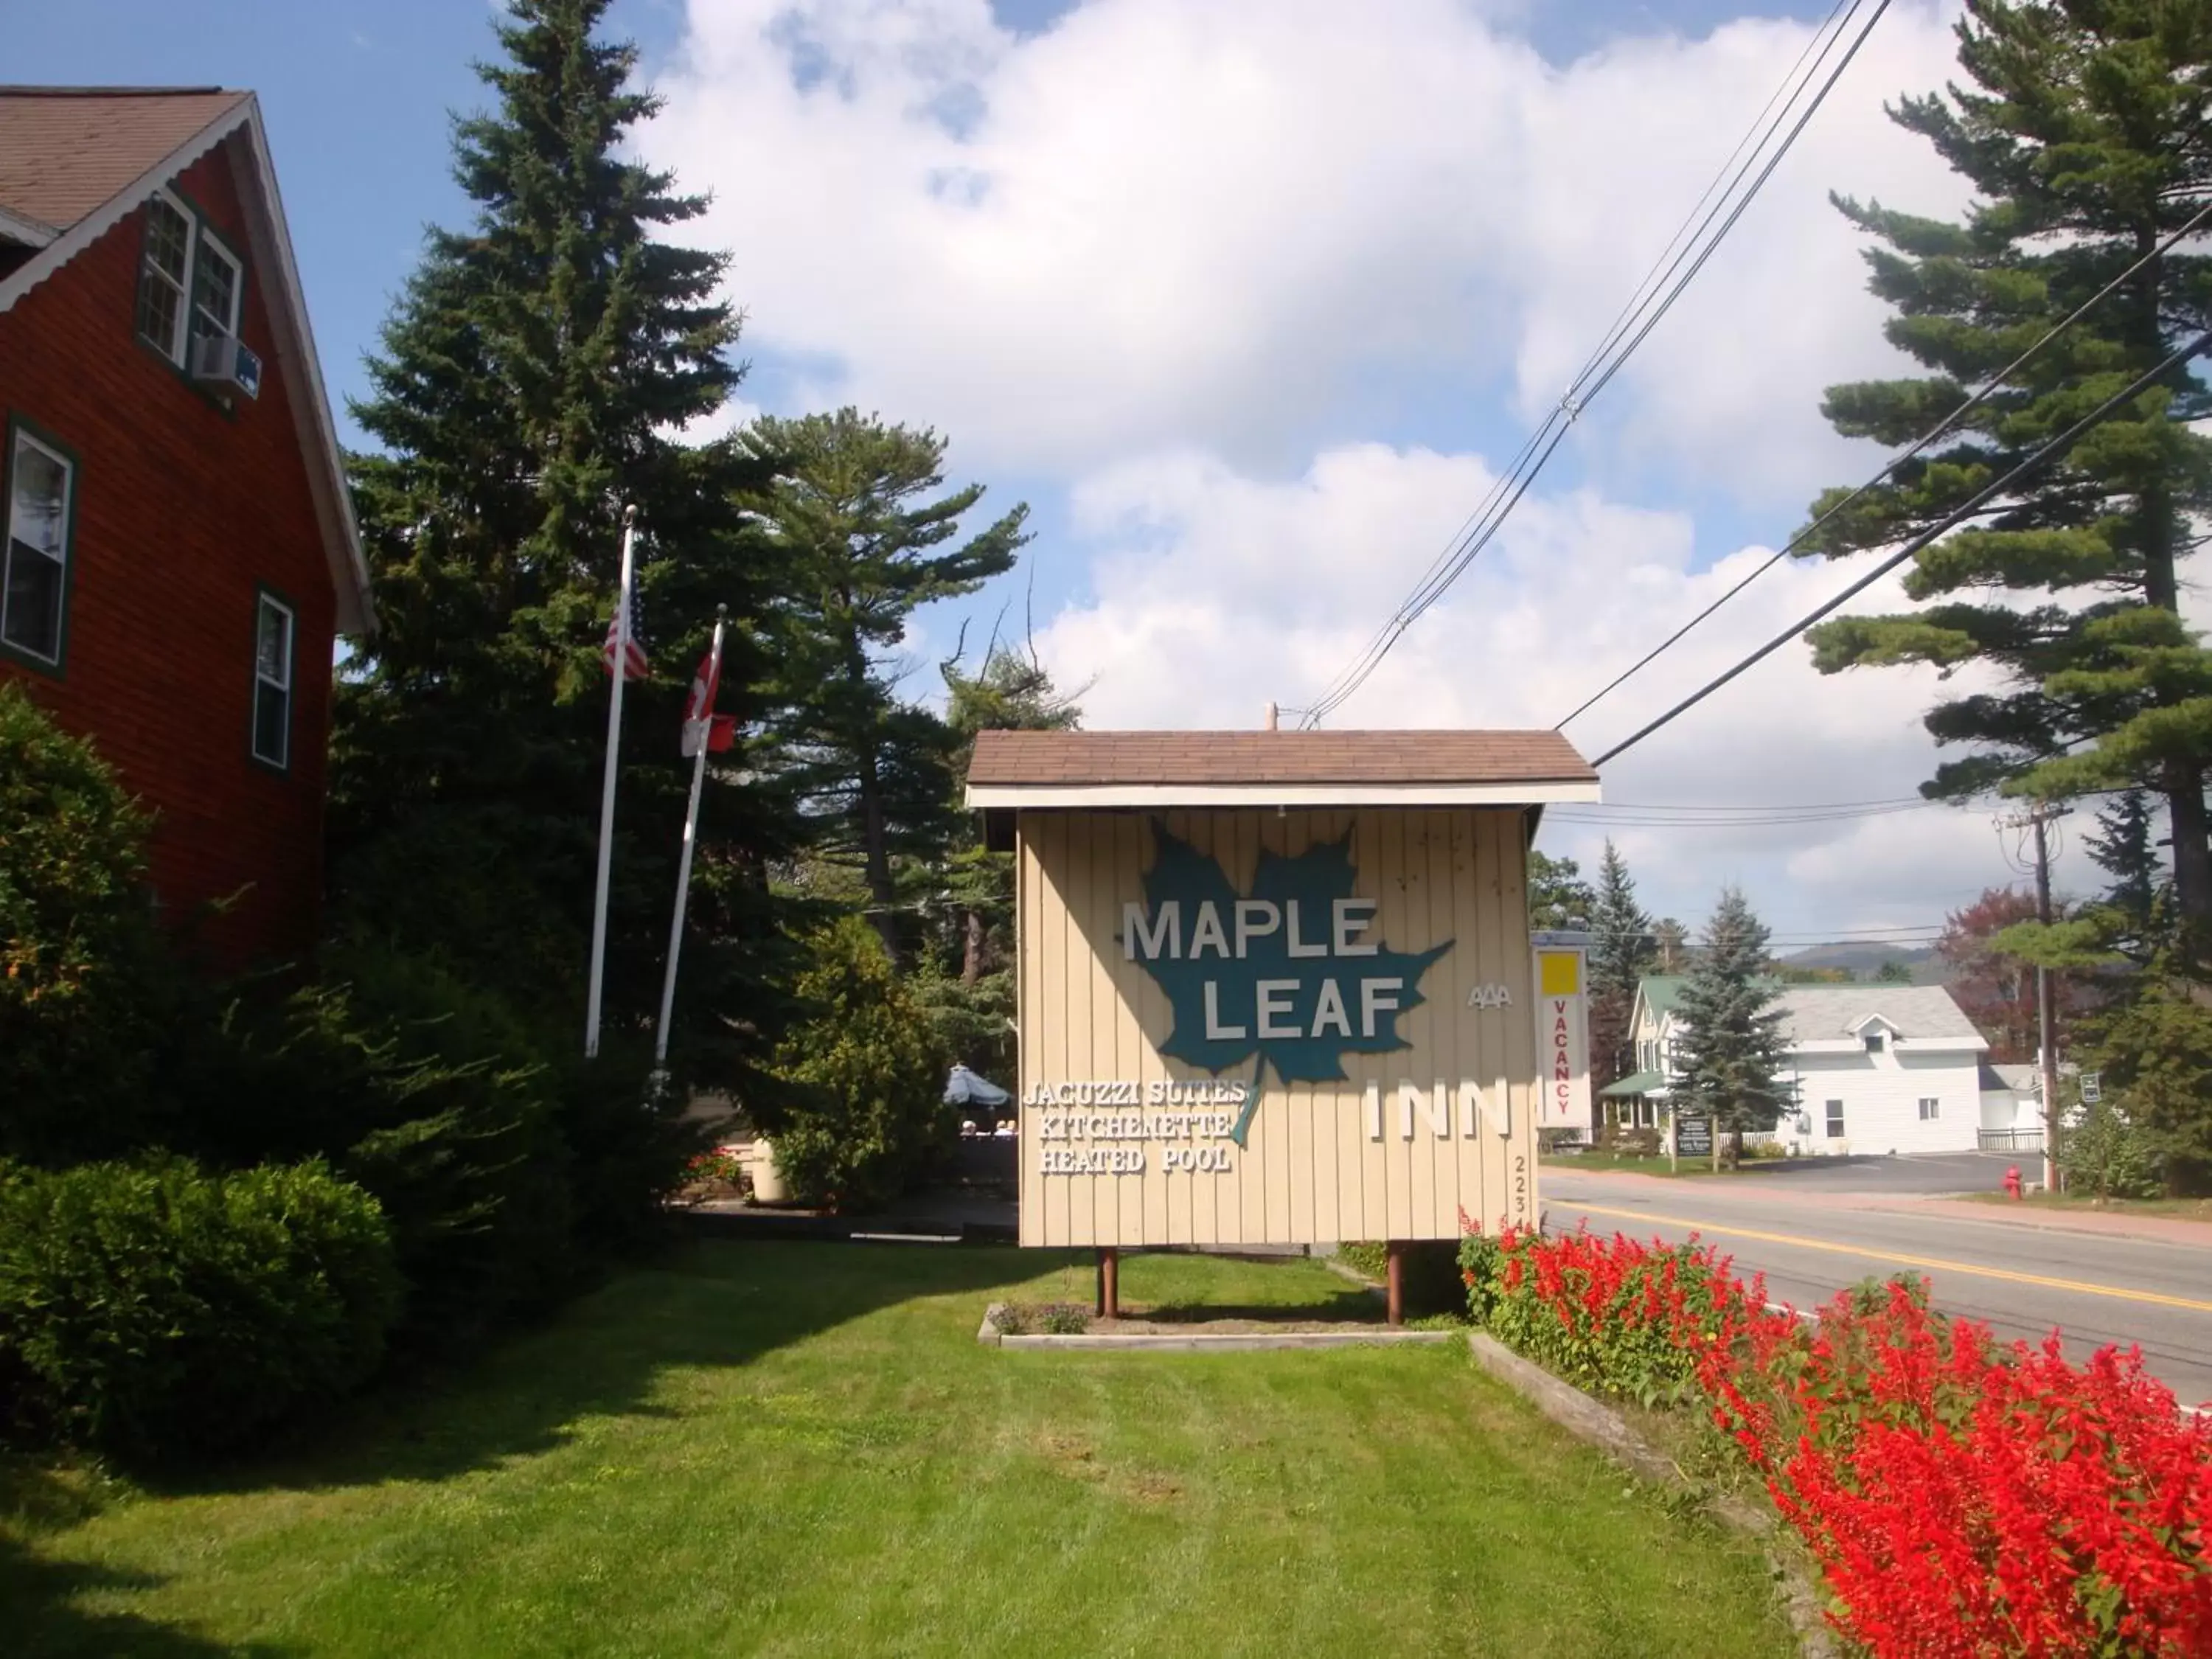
x=164, y=267
x=1876, y=1041
x=216, y=282
x=190, y=285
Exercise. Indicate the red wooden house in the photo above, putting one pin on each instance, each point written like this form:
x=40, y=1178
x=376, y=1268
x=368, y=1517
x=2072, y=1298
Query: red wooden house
x=179, y=552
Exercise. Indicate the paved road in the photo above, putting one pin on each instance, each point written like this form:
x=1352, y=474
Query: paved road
x=1811, y=1240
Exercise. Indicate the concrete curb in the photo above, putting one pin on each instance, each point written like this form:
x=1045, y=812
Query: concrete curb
x=1206, y=1342
x=1232, y=1341
x=1591, y=1420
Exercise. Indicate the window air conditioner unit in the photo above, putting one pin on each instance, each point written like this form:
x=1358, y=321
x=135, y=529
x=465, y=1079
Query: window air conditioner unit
x=222, y=360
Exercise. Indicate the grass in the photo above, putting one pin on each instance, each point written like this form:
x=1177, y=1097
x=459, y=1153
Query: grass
x=1627, y=1161
x=2190, y=1209
x=786, y=1448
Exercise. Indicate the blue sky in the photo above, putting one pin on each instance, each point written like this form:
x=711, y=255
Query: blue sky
x=1249, y=297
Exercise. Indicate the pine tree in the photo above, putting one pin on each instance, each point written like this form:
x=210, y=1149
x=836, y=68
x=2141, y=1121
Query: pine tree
x=965, y=978
x=1734, y=1052
x=1670, y=941
x=1010, y=692
x=2084, y=131
x=1559, y=898
x=2124, y=850
x=528, y=384
x=1625, y=950
x=856, y=518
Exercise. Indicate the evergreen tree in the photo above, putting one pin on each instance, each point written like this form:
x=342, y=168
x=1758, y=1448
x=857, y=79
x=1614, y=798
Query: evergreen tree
x=2083, y=132
x=529, y=382
x=1670, y=941
x=1893, y=972
x=1732, y=1050
x=1011, y=692
x=1625, y=950
x=1559, y=898
x=2123, y=850
x=965, y=980
x=2155, y=1053
x=858, y=522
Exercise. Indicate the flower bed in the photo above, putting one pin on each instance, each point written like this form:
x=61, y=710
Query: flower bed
x=1960, y=1496
x=717, y=1173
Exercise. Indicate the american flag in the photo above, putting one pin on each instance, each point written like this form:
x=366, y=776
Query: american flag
x=635, y=666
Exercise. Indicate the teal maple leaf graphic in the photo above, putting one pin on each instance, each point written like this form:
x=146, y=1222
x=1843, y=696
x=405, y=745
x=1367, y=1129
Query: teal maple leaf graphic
x=1287, y=974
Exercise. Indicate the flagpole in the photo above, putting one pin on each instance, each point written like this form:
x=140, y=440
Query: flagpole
x=607, y=787
x=690, y=839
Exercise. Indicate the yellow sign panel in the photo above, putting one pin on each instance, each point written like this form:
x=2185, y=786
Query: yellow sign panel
x=1562, y=971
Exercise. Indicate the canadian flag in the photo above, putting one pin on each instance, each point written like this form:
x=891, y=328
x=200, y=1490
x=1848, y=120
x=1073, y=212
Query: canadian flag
x=700, y=719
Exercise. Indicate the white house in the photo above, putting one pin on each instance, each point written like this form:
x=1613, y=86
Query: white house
x=1874, y=1068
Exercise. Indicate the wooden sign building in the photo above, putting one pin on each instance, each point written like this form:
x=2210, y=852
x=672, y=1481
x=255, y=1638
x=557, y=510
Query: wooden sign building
x=1276, y=986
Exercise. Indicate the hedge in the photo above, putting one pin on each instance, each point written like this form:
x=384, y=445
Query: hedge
x=156, y=1310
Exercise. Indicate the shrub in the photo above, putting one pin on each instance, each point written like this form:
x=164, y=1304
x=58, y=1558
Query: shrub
x=426, y=1092
x=2107, y=1156
x=1961, y=1497
x=1043, y=1319
x=866, y=1113
x=154, y=1310
x=1619, y=1317
x=83, y=970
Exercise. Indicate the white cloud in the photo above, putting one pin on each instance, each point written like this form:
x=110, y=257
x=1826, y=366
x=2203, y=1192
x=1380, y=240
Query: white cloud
x=1179, y=258
x=1214, y=590
x=1159, y=223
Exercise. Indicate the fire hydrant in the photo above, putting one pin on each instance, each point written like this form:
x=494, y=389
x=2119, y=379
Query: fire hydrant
x=2012, y=1182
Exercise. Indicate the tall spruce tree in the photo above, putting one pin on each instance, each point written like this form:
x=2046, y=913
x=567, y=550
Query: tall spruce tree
x=529, y=383
x=2124, y=849
x=1625, y=950
x=858, y=522
x=2084, y=127
x=1733, y=1053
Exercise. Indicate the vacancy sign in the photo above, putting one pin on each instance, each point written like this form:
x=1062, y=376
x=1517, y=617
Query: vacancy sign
x=1563, y=1040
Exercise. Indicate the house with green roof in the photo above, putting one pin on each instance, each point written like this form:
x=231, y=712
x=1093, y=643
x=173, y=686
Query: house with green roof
x=1873, y=1068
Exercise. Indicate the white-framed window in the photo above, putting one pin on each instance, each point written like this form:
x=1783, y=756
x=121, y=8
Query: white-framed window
x=218, y=280
x=272, y=683
x=191, y=286
x=1929, y=1109
x=1835, y=1120
x=1876, y=1041
x=35, y=579
x=165, y=271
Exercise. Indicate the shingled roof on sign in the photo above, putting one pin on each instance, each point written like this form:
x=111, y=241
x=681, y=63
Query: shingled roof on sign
x=1078, y=770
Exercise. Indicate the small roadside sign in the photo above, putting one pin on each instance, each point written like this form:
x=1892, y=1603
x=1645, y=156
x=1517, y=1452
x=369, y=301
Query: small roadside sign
x=1693, y=1134
x=2092, y=1088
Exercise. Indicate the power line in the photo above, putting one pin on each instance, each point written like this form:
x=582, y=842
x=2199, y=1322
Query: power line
x=1748, y=821
x=1966, y=510
x=1987, y=389
x=1629, y=330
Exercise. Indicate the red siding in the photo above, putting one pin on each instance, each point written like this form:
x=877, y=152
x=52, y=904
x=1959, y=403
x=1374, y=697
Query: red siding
x=183, y=514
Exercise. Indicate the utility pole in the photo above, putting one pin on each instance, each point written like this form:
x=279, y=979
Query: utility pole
x=2039, y=818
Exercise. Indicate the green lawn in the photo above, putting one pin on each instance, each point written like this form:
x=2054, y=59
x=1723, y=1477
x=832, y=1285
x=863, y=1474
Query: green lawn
x=2190, y=1209
x=801, y=1449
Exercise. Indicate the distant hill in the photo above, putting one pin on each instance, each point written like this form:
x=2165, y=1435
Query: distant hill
x=1864, y=961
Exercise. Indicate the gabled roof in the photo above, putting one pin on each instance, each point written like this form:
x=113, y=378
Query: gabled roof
x=1838, y=1013
x=1159, y=769
x=1662, y=993
x=76, y=160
